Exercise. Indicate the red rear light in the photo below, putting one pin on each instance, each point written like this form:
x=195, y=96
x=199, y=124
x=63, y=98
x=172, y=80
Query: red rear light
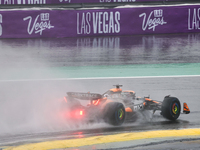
x=81, y=112
x=76, y=114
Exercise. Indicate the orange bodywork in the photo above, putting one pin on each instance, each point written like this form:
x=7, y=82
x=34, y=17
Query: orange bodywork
x=186, y=109
x=128, y=109
x=116, y=90
x=147, y=99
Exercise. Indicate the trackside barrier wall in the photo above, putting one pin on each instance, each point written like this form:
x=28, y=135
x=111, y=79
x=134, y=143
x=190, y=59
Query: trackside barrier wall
x=59, y=23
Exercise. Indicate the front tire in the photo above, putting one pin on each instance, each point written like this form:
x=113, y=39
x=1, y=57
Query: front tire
x=171, y=108
x=114, y=113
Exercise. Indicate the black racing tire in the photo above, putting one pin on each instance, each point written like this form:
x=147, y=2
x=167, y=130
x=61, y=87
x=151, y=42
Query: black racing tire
x=171, y=108
x=114, y=113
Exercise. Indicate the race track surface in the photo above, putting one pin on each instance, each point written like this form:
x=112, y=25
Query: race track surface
x=47, y=122
x=36, y=74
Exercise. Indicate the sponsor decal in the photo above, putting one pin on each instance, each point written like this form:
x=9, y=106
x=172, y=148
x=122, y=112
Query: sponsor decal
x=1, y=21
x=69, y=1
x=19, y=2
x=193, y=19
x=154, y=19
x=40, y=23
x=84, y=95
x=138, y=107
x=116, y=1
x=98, y=22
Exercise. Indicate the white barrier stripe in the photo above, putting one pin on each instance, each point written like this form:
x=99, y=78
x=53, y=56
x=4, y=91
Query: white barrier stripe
x=100, y=78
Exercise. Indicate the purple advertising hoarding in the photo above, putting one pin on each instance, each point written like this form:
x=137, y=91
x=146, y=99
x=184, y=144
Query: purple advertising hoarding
x=99, y=22
x=43, y=2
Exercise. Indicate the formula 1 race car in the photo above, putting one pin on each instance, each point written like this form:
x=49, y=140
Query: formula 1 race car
x=116, y=106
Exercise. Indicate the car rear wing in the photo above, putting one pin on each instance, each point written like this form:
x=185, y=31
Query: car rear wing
x=84, y=96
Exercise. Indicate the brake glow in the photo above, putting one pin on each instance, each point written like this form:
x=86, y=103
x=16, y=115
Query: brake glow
x=96, y=102
x=65, y=99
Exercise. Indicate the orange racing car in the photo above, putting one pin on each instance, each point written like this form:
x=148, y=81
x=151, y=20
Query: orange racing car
x=116, y=106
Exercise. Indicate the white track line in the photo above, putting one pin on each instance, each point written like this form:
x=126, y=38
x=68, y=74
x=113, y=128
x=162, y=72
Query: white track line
x=100, y=78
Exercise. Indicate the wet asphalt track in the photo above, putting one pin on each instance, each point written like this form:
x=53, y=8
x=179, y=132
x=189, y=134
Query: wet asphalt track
x=185, y=88
x=30, y=110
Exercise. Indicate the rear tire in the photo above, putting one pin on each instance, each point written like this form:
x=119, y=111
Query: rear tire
x=114, y=113
x=171, y=108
